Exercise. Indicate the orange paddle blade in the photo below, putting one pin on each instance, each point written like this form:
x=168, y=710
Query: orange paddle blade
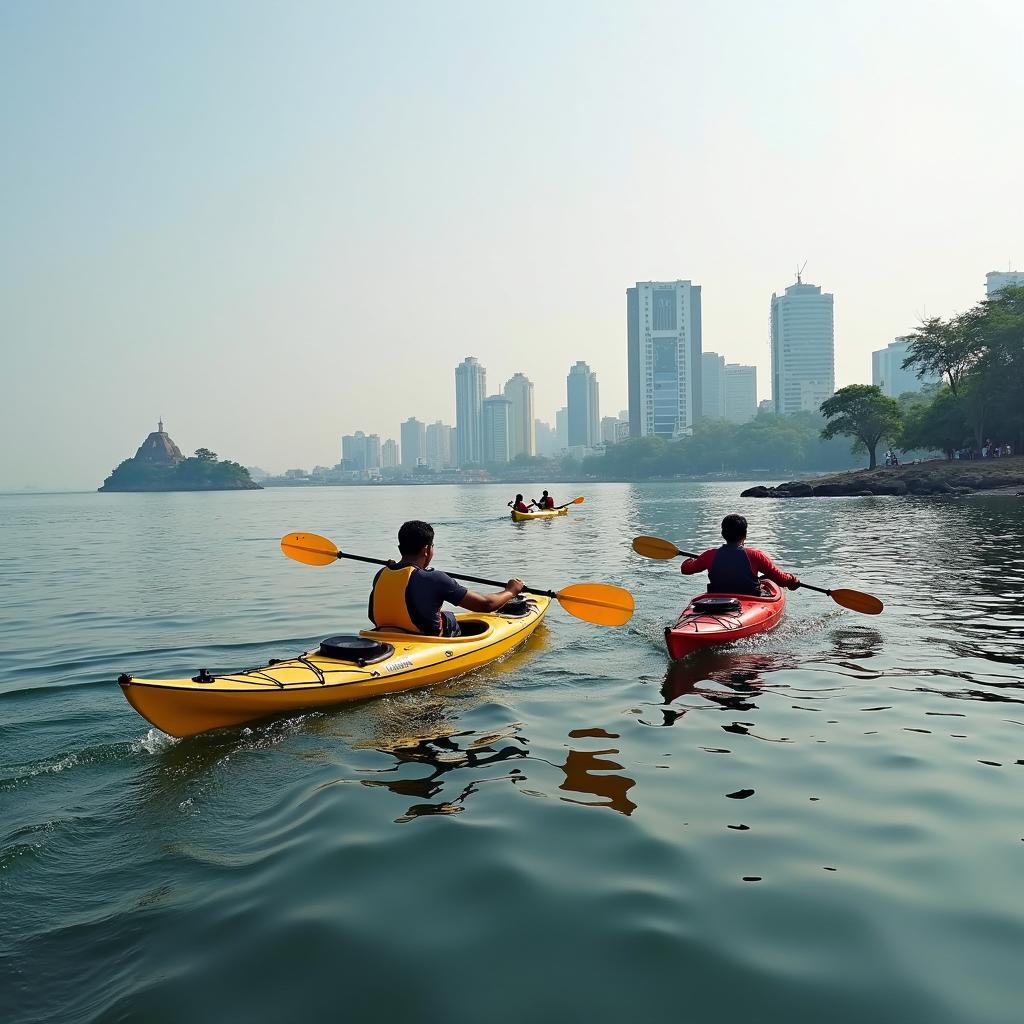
x=866, y=604
x=578, y=501
x=655, y=547
x=599, y=603
x=310, y=548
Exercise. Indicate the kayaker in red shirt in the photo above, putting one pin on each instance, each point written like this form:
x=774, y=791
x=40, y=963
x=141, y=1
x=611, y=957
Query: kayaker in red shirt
x=519, y=505
x=546, y=501
x=733, y=568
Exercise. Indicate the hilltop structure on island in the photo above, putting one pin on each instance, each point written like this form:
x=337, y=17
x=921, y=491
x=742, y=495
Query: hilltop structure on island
x=158, y=465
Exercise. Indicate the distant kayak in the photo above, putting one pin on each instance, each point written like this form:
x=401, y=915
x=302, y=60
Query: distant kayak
x=344, y=668
x=548, y=513
x=713, y=619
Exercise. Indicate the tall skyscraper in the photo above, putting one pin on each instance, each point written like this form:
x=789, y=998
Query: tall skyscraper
x=663, y=342
x=740, y=392
x=584, y=419
x=712, y=386
x=470, y=388
x=997, y=280
x=373, y=451
x=888, y=373
x=497, y=417
x=523, y=437
x=414, y=443
x=439, y=453
x=389, y=454
x=803, y=349
x=353, y=451
x=562, y=428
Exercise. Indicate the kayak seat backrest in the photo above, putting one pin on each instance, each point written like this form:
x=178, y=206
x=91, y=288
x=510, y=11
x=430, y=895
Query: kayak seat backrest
x=359, y=650
x=716, y=605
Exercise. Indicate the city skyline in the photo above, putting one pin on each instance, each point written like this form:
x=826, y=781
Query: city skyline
x=262, y=202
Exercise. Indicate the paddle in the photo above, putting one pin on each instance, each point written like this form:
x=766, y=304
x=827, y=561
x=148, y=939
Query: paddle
x=575, y=501
x=866, y=604
x=599, y=603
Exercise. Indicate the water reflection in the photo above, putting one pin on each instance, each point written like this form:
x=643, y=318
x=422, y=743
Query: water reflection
x=585, y=770
x=443, y=754
x=738, y=677
x=580, y=766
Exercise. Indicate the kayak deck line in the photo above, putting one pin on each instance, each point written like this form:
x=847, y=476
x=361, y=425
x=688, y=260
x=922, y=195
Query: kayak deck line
x=697, y=628
x=185, y=707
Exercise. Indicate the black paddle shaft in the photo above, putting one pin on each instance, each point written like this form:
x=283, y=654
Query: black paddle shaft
x=467, y=579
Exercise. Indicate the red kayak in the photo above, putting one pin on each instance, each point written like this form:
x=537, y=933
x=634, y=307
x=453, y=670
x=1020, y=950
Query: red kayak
x=713, y=619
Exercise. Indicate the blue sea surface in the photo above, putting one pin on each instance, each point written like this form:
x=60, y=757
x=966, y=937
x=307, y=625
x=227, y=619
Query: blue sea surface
x=821, y=824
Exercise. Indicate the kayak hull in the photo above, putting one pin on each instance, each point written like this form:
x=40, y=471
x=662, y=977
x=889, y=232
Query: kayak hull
x=694, y=630
x=548, y=513
x=186, y=707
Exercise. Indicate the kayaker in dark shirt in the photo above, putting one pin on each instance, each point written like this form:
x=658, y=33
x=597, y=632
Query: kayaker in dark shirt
x=733, y=568
x=408, y=595
x=546, y=501
x=519, y=505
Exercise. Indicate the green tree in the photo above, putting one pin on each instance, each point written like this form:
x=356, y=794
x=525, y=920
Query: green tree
x=946, y=348
x=862, y=412
x=935, y=424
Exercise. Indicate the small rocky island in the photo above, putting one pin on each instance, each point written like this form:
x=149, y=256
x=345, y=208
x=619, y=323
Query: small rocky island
x=158, y=465
x=938, y=476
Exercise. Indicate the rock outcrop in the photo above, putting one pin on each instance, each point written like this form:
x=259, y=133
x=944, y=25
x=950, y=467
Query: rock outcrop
x=926, y=479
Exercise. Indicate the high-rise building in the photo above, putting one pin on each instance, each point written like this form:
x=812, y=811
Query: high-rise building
x=663, y=341
x=497, y=429
x=887, y=370
x=353, y=451
x=740, y=392
x=546, y=442
x=373, y=451
x=803, y=348
x=614, y=430
x=470, y=388
x=439, y=452
x=766, y=405
x=712, y=386
x=414, y=443
x=584, y=421
x=997, y=280
x=562, y=428
x=522, y=432
x=389, y=454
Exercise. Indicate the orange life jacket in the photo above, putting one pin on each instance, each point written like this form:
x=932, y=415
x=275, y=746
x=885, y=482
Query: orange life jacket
x=389, y=610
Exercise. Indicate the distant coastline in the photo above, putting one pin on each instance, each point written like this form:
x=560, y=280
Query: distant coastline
x=916, y=479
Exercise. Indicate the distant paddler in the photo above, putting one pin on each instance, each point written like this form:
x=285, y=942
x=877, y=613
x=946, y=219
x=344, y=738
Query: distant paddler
x=519, y=504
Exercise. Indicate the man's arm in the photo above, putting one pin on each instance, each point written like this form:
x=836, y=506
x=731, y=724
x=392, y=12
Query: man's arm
x=700, y=564
x=762, y=564
x=475, y=602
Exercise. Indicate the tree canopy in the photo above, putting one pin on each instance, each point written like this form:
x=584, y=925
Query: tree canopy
x=862, y=412
x=980, y=355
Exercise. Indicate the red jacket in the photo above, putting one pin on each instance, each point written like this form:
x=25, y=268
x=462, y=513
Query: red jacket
x=759, y=563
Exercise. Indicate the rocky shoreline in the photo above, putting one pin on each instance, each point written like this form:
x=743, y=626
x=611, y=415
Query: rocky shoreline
x=938, y=477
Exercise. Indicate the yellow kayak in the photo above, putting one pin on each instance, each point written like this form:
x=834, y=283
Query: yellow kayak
x=344, y=668
x=548, y=513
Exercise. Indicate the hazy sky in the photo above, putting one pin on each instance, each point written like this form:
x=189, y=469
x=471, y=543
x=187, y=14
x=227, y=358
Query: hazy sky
x=275, y=223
